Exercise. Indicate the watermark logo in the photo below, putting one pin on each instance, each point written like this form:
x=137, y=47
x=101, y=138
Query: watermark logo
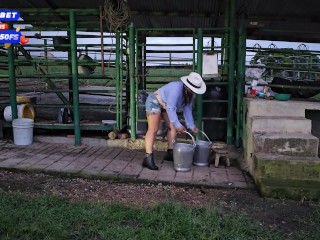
x=9, y=15
x=10, y=36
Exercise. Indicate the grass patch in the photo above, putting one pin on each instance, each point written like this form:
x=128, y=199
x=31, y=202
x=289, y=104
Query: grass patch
x=22, y=217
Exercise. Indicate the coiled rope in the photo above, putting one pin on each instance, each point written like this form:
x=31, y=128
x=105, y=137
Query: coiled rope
x=116, y=14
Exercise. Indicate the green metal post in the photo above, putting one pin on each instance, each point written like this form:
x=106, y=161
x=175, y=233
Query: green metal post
x=75, y=84
x=193, y=52
x=225, y=43
x=137, y=69
x=199, y=70
x=70, y=82
x=118, y=79
x=12, y=83
x=132, y=82
x=240, y=83
x=231, y=69
x=45, y=41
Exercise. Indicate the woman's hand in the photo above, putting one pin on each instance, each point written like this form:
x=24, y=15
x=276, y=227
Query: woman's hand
x=194, y=130
x=181, y=129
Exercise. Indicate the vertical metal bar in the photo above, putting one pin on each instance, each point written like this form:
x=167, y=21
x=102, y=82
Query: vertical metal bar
x=46, y=53
x=139, y=57
x=240, y=83
x=74, y=72
x=225, y=43
x=144, y=56
x=231, y=69
x=193, y=52
x=137, y=83
x=101, y=42
x=12, y=83
x=121, y=82
x=199, y=70
x=70, y=82
x=132, y=82
x=118, y=79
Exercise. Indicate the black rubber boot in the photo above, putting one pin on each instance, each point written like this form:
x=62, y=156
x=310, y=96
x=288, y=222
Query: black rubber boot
x=169, y=155
x=149, y=162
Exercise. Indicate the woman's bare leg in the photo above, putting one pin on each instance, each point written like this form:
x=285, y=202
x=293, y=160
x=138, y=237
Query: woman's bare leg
x=171, y=130
x=153, y=127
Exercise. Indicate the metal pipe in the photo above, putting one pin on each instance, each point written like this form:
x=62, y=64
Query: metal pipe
x=118, y=79
x=199, y=70
x=137, y=66
x=193, y=53
x=64, y=11
x=45, y=41
x=132, y=82
x=144, y=51
x=12, y=82
x=240, y=83
x=101, y=42
x=70, y=82
x=231, y=70
x=75, y=85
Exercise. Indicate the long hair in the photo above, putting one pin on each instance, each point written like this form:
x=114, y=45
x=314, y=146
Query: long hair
x=187, y=96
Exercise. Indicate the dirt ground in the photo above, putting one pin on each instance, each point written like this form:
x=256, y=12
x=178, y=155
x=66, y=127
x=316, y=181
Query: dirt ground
x=292, y=219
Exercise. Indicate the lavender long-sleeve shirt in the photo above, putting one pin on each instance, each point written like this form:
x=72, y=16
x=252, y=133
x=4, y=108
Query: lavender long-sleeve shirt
x=172, y=95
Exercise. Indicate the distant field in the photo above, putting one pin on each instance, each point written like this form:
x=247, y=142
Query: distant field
x=155, y=77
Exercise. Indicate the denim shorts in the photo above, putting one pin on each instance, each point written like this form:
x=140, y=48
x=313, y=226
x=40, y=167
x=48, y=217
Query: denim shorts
x=152, y=104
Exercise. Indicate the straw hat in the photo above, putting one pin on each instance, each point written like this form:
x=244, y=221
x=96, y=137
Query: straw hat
x=194, y=82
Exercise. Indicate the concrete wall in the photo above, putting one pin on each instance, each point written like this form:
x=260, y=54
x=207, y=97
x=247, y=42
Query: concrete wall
x=272, y=116
x=281, y=147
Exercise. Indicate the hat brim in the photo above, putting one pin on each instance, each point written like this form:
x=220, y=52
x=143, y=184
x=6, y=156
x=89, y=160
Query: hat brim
x=200, y=90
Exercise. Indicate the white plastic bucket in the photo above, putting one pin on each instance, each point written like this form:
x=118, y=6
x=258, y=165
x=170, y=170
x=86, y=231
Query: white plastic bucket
x=23, y=111
x=23, y=131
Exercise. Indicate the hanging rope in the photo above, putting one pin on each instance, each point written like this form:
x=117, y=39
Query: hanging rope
x=116, y=14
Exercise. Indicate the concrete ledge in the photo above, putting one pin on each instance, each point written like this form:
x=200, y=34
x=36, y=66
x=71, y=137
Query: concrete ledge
x=265, y=108
x=293, y=189
x=287, y=176
x=281, y=124
x=291, y=144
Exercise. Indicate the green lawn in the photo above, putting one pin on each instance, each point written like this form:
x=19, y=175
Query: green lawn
x=23, y=217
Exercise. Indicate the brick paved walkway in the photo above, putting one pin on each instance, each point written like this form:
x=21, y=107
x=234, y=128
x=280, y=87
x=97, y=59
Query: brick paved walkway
x=107, y=162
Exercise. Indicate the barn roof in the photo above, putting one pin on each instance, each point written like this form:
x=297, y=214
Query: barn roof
x=293, y=20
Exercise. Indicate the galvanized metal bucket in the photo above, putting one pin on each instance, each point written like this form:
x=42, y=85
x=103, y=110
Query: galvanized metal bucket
x=183, y=155
x=202, y=152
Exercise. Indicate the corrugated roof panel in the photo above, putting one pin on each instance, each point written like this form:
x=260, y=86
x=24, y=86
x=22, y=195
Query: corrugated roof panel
x=265, y=19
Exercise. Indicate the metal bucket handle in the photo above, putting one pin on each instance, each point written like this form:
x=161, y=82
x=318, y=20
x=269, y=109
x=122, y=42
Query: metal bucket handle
x=205, y=136
x=193, y=141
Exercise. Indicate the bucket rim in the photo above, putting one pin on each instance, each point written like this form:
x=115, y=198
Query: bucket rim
x=25, y=120
x=183, y=144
